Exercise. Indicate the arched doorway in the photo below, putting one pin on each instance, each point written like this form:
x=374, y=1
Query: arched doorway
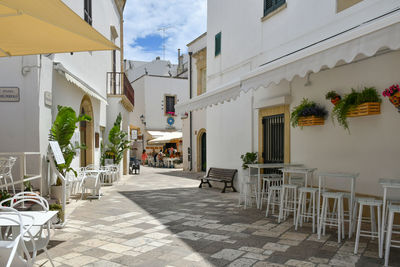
x=87, y=132
x=202, y=150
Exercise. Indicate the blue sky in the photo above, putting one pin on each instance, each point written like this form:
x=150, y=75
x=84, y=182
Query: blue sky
x=185, y=20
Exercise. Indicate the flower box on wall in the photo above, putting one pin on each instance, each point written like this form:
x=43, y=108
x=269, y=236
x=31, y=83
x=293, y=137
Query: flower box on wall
x=365, y=109
x=310, y=121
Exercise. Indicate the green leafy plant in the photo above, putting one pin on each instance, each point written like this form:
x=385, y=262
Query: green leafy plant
x=62, y=130
x=331, y=95
x=58, y=208
x=352, y=100
x=249, y=158
x=28, y=186
x=5, y=195
x=305, y=109
x=118, y=142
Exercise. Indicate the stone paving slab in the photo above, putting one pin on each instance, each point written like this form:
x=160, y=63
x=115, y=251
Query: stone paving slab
x=162, y=218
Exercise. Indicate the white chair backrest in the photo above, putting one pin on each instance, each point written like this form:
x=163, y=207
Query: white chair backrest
x=9, y=254
x=6, y=164
x=27, y=197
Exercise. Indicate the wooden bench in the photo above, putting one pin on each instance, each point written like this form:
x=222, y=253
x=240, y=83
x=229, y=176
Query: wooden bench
x=220, y=175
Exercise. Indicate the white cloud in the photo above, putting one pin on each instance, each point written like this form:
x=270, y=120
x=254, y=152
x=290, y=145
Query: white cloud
x=187, y=18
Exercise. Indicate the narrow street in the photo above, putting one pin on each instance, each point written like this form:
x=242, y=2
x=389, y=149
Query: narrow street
x=161, y=218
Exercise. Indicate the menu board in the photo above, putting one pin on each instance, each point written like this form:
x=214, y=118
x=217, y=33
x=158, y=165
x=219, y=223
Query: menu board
x=58, y=156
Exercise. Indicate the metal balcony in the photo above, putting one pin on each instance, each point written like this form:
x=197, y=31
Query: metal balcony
x=115, y=88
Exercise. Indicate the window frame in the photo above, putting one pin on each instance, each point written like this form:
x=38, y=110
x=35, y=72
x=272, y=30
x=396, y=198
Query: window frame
x=218, y=44
x=275, y=5
x=165, y=104
x=87, y=11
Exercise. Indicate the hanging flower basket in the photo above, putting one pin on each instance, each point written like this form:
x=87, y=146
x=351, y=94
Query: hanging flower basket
x=310, y=121
x=365, y=109
x=393, y=93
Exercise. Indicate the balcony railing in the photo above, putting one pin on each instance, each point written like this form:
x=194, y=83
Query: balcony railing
x=114, y=86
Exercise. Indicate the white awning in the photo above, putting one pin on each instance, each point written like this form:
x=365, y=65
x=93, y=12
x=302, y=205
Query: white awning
x=161, y=137
x=365, y=39
x=79, y=83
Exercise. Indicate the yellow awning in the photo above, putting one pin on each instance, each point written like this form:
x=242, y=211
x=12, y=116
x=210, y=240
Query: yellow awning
x=29, y=27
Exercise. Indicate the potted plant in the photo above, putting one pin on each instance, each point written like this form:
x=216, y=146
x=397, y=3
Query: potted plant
x=308, y=113
x=118, y=143
x=366, y=102
x=62, y=130
x=393, y=92
x=60, y=214
x=249, y=158
x=5, y=195
x=333, y=96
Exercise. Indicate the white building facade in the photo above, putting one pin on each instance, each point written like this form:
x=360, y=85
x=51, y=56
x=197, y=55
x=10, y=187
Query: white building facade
x=157, y=90
x=77, y=80
x=194, y=126
x=266, y=62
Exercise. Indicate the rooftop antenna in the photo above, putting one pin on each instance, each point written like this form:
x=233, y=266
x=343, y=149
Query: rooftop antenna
x=163, y=30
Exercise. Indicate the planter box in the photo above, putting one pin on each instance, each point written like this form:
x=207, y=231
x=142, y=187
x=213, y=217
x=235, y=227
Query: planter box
x=311, y=120
x=370, y=108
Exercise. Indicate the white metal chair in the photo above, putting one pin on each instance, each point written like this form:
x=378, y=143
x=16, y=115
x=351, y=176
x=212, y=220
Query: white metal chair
x=13, y=250
x=288, y=202
x=302, y=211
x=393, y=209
x=40, y=234
x=269, y=180
x=91, y=182
x=372, y=203
x=325, y=220
x=6, y=165
x=247, y=189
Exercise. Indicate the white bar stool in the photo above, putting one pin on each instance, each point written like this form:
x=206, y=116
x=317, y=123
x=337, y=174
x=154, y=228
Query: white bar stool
x=288, y=202
x=269, y=180
x=302, y=212
x=393, y=209
x=274, y=197
x=246, y=188
x=324, y=220
x=372, y=203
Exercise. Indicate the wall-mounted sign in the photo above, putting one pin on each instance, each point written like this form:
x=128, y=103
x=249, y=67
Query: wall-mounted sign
x=9, y=94
x=48, y=99
x=134, y=135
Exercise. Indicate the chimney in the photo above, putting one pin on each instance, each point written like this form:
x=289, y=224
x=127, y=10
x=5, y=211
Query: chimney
x=180, y=59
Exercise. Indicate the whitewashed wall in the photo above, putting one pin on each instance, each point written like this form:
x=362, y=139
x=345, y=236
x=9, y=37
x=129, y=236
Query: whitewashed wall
x=370, y=149
x=67, y=94
x=155, y=89
x=248, y=42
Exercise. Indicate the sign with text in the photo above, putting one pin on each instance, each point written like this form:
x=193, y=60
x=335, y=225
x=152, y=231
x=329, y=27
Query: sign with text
x=134, y=135
x=58, y=156
x=9, y=94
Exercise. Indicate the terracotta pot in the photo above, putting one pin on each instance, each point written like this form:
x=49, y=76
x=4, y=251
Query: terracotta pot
x=395, y=99
x=336, y=100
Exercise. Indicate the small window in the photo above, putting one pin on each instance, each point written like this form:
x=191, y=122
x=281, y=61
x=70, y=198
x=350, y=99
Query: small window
x=218, y=44
x=87, y=9
x=169, y=105
x=272, y=5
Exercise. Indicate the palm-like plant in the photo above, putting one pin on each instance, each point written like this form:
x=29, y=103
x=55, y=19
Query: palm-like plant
x=118, y=141
x=62, y=130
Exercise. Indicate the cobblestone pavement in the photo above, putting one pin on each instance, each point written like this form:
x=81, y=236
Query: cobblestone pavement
x=161, y=218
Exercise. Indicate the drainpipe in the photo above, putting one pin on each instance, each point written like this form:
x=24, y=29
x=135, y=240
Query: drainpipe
x=190, y=113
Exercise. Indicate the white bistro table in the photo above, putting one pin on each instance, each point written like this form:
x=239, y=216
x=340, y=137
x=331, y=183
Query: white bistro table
x=307, y=172
x=266, y=166
x=339, y=175
x=39, y=217
x=386, y=184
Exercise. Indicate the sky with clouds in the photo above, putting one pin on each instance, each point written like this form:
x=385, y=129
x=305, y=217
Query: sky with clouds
x=184, y=19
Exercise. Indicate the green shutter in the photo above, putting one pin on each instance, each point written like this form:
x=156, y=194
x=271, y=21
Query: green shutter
x=217, y=44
